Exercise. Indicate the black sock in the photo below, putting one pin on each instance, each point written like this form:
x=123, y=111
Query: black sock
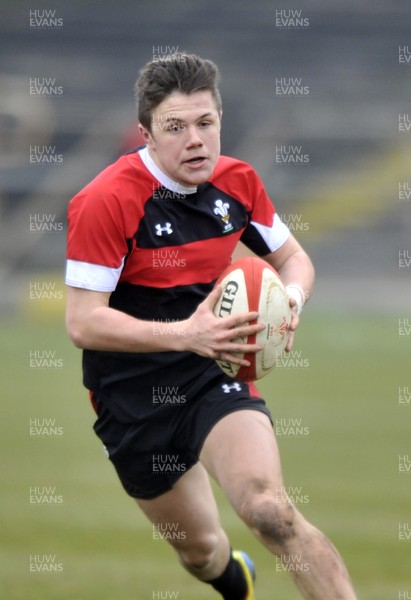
x=232, y=583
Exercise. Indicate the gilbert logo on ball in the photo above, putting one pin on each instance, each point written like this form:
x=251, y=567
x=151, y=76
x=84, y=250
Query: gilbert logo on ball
x=251, y=284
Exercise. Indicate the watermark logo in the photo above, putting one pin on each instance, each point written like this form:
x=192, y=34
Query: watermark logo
x=168, y=396
x=291, y=563
x=404, y=123
x=404, y=532
x=404, y=259
x=295, y=222
x=291, y=494
x=404, y=395
x=291, y=86
x=44, y=155
x=168, y=463
x=45, y=19
x=44, y=495
x=45, y=223
x=291, y=19
x=44, y=427
x=44, y=563
x=404, y=55
x=292, y=360
x=165, y=595
x=168, y=259
x=45, y=87
x=45, y=290
x=164, y=52
x=161, y=193
x=45, y=359
x=404, y=190
x=168, y=327
x=291, y=428
x=168, y=121
x=404, y=595
x=404, y=463
x=168, y=531
x=291, y=155
x=404, y=327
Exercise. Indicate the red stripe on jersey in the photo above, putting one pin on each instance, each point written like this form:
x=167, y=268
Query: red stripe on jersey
x=198, y=262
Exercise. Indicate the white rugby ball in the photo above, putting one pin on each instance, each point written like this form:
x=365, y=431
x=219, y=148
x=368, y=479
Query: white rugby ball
x=251, y=284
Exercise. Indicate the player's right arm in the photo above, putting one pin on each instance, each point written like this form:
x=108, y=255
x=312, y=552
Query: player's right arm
x=92, y=324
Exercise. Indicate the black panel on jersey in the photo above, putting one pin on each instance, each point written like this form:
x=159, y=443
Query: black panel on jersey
x=185, y=219
x=253, y=240
x=176, y=303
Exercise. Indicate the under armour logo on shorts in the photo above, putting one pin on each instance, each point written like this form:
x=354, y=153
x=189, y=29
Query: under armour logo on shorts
x=228, y=387
x=166, y=229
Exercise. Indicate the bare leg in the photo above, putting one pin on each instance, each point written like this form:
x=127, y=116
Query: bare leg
x=187, y=517
x=241, y=453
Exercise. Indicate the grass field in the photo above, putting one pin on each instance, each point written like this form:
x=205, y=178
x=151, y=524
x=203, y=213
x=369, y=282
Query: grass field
x=344, y=396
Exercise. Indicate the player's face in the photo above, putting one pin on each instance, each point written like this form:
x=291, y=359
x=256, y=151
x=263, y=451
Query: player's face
x=185, y=136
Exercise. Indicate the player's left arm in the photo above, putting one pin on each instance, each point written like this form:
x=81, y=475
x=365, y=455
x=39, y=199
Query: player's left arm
x=297, y=273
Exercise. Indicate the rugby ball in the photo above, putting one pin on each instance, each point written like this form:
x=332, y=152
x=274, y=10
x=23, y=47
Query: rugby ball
x=251, y=284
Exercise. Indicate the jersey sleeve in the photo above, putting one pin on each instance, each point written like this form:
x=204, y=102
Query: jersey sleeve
x=265, y=231
x=96, y=241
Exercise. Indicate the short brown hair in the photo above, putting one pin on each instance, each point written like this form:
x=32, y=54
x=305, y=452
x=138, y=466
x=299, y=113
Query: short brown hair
x=185, y=73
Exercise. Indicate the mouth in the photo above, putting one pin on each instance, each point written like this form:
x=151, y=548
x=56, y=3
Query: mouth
x=196, y=161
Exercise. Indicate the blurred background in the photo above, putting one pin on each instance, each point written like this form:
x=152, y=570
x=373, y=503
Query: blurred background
x=316, y=96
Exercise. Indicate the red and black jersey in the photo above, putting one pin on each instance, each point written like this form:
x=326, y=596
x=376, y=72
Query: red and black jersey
x=159, y=247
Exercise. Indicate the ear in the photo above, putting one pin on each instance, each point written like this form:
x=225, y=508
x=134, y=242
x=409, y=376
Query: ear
x=145, y=133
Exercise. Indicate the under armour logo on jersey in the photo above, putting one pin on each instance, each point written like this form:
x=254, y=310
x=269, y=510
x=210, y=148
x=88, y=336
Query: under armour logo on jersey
x=229, y=387
x=166, y=228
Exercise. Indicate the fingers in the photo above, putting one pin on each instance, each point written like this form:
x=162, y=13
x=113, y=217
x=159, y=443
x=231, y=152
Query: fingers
x=243, y=331
x=226, y=357
x=236, y=348
x=291, y=329
x=237, y=354
x=290, y=342
x=295, y=319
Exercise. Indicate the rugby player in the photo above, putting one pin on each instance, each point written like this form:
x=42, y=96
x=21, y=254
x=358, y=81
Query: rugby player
x=147, y=239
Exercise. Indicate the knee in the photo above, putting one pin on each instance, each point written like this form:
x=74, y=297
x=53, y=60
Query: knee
x=270, y=519
x=198, y=554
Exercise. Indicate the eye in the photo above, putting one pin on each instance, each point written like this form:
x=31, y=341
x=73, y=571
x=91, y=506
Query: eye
x=175, y=127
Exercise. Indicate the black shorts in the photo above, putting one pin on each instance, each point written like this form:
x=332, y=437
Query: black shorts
x=151, y=454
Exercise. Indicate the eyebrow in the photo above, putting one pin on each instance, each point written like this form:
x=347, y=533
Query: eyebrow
x=177, y=119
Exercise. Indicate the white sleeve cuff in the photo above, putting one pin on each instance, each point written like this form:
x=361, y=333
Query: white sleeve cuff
x=274, y=236
x=96, y=278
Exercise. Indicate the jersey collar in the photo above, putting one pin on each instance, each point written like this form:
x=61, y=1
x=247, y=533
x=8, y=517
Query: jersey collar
x=162, y=177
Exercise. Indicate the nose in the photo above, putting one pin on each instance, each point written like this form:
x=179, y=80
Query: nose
x=193, y=137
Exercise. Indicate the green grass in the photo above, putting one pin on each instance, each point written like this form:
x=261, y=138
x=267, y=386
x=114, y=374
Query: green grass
x=346, y=466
